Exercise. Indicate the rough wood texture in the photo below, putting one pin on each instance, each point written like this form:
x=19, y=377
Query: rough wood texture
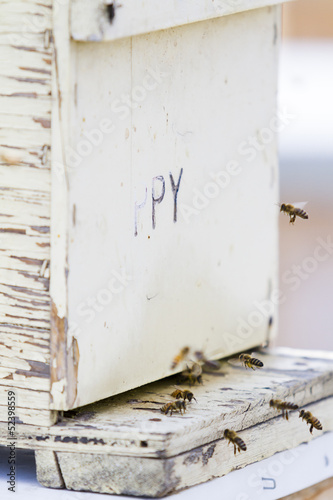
x=25, y=138
x=48, y=470
x=124, y=445
x=140, y=476
x=64, y=348
x=233, y=397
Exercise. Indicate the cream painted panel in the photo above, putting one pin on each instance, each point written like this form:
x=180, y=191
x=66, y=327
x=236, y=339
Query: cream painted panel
x=93, y=20
x=186, y=99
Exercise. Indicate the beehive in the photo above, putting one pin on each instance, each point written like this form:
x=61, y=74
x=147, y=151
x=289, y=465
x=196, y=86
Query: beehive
x=158, y=172
x=139, y=190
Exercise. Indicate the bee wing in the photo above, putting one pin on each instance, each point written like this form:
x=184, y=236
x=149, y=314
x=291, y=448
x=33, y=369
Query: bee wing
x=199, y=355
x=196, y=369
x=299, y=204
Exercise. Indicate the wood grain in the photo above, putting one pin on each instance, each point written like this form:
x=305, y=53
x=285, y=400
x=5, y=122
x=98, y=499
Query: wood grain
x=95, y=445
x=25, y=141
x=131, y=424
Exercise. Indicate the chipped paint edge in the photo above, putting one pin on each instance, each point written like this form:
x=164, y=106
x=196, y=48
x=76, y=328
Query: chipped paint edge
x=90, y=23
x=64, y=347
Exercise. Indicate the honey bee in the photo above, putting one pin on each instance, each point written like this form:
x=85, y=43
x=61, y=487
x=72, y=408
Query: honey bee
x=181, y=356
x=250, y=362
x=235, y=440
x=293, y=211
x=192, y=374
x=208, y=364
x=284, y=406
x=310, y=419
x=174, y=406
x=184, y=394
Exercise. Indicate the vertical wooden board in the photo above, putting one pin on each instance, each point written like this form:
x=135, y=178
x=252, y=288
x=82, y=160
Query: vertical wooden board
x=25, y=140
x=144, y=108
x=48, y=470
x=63, y=375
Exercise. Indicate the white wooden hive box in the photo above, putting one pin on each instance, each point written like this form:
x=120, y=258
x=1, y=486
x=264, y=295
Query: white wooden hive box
x=161, y=184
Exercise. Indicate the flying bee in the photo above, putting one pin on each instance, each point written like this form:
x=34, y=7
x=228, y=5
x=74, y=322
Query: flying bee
x=247, y=360
x=184, y=394
x=310, y=419
x=283, y=405
x=181, y=356
x=235, y=440
x=250, y=362
x=192, y=374
x=208, y=364
x=178, y=405
x=294, y=210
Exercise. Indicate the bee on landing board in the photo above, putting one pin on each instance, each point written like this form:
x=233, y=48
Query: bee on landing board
x=183, y=394
x=181, y=356
x=250, y=362
x=207, y=364
x=235, y=440
x=278, y=404
x=294, y=210
x=192, y=374
x=178, y=405
x=310, y=419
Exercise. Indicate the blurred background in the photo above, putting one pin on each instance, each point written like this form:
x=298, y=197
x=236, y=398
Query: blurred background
x=306, y=174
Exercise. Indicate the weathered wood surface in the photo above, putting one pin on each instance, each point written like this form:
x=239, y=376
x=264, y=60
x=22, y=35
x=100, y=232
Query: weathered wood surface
x=64, y=349
x=25, y=139
x=48, y=470
x=140, y=476
x=124, y=445
x=131, y=424
x=90, y=20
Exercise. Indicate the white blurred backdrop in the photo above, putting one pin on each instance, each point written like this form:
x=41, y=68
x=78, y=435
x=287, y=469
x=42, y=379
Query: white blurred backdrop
x=306, y=174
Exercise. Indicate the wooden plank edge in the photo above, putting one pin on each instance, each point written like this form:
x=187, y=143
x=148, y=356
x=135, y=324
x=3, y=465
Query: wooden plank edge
x=64, y=350
x=139, y=476
x=88, y=439
x=90, y=20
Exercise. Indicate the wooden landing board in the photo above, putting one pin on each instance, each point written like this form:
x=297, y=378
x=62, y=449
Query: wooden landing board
x=131, y=424
x=151, y=477
x=125, y=445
